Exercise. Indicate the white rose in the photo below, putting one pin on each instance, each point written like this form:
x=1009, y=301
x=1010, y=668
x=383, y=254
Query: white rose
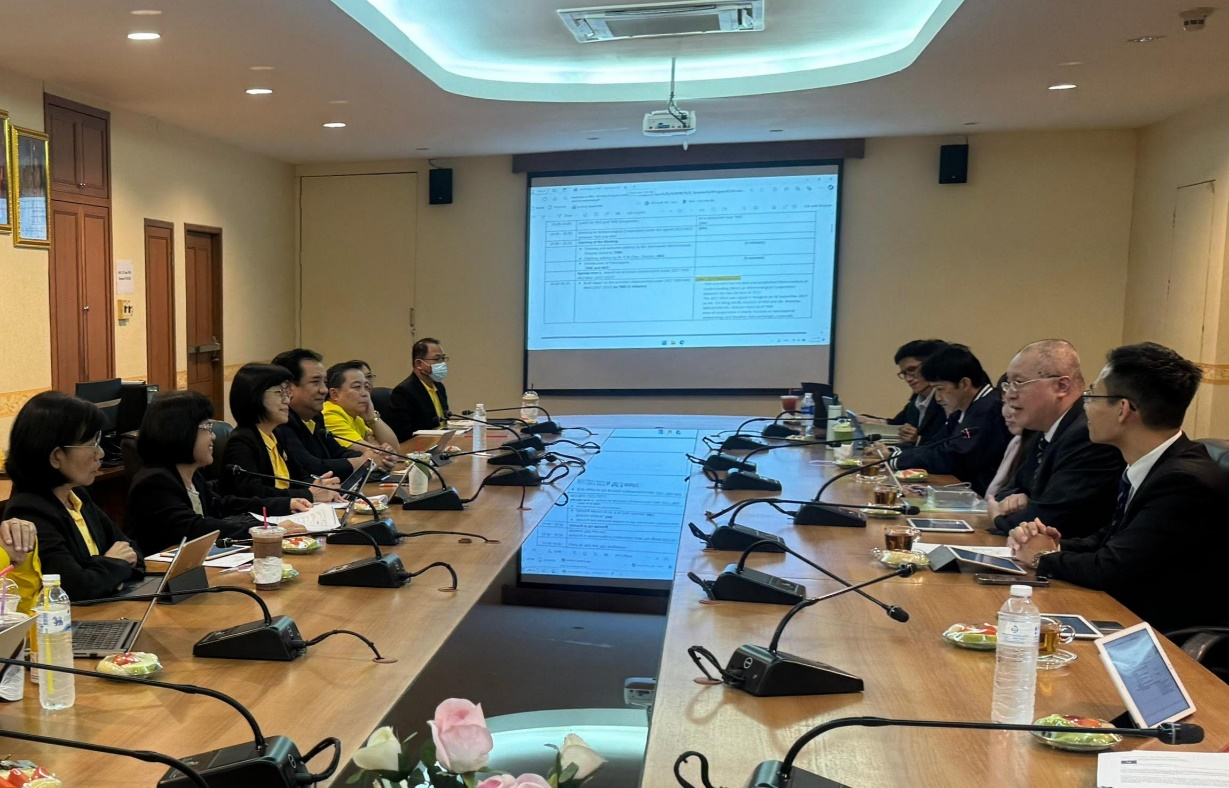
x=575, y=751
x=382, y=752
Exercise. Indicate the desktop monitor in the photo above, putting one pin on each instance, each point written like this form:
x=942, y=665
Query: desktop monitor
x=106, y=395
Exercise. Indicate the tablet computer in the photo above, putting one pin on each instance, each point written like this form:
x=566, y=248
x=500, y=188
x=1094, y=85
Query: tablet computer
x=1144, y=676
x=941, y=525
x=970, y=559
x=1083, y=628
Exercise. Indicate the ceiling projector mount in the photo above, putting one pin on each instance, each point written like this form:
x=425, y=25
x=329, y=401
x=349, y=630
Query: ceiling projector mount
x=671, y=121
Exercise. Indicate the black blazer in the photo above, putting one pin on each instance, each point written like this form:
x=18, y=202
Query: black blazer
x=930, y=427
x=1074, y=488
x=316, y=452
x=62, y=550
x=246, y=449
x=974, y=459
x=1155, y=564
x=412, y=409
x=160, y=512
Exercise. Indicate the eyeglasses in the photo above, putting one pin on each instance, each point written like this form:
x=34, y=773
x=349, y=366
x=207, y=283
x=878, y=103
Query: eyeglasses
x=1016, y=385
x=283, y=392
x=436, y=359
x=909, y=372
x=1088, y=397
x=206, y=426
x=95, y=445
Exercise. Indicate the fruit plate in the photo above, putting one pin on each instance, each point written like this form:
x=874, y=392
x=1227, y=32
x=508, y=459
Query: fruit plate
x=895, y=558
x=978, y=637
x=1076, y=742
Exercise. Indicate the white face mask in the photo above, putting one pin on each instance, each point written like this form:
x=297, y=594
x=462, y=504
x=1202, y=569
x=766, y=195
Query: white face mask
x=439, y=371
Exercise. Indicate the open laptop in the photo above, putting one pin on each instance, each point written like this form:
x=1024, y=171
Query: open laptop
x=96, y=639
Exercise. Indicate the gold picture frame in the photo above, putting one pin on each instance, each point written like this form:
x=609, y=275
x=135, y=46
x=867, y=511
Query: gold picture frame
x=29, y=188
x=6, y=220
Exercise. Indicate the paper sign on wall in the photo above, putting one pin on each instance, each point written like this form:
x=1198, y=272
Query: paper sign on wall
x=123, y=278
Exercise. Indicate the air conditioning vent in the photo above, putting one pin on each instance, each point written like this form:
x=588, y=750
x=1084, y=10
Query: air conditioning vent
x=612, y=23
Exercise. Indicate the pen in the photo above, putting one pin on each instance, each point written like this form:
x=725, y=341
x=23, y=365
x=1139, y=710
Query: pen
x=244, y=565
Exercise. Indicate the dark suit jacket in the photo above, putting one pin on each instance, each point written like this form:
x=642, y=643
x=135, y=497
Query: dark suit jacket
x=160, y=512
x=246, y=449
x=1075, y=488
x=412, y=409
x=930, y=427
x=974, y=459
x=316, y=452
x=1154, y=564
x=62, y=550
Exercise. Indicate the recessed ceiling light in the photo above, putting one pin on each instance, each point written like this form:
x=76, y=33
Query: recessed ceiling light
x=144, y=36
x=145, y=12
x=1062, y=86
x=1072, y=63
x=260, y=68
x=259, y=91
x=1144, y=39
x=335, y=125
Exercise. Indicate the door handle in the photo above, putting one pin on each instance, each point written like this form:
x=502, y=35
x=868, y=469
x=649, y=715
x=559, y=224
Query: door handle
x=212, y=347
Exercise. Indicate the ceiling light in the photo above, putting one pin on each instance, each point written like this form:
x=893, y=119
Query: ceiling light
x=145, y=12
x=1062, y=86
x=1143, y=39
x=339, y=101
x=259, y=91
x=335, y=125
x=260, y=68
x=1072, y=63
x=143, y=36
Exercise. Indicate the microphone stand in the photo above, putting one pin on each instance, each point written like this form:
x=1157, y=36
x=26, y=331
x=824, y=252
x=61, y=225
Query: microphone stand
x=766, y=672
x=737, y=442
x=549, y=426
x=741, y=472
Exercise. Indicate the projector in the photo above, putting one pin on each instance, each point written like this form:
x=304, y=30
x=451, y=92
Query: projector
x=667, y=123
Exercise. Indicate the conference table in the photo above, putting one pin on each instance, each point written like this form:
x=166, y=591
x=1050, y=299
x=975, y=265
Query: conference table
x=337, y=690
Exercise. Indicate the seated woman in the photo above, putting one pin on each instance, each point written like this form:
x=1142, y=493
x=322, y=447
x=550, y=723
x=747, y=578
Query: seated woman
x=54, y=454
x=170, y=499
x=18, y=543
x=259, y=403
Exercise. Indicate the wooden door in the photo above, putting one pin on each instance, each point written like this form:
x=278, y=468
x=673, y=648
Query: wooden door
x=67, y=340
x=203, y=274
x=1187, y=299
x=160, y=304
x=97, y=289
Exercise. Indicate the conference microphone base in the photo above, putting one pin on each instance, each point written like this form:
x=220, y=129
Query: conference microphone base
x=446, y=500
x=740, y=480
x=750, y=585
x=542, y=428
x=279, y=765
x=724, y=462
x=387, y=571
x=520, y=477
x=779, y=431
x=828, y=515
x=516, y=457
x=383, y=531
x=767, y=775
x=765, y=673
x=740, y=537
x=532, y=442
x=741, y=443
x=255, y=640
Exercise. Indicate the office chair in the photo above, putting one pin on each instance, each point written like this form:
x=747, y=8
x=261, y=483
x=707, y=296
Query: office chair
x=221, y=434
x=1209, y=646
x=382, y=398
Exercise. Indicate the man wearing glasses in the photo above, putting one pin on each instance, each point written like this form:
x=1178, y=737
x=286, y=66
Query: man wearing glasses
x=1066, y=480
x=1170, y=500
x=420, y=402
x=919, y=422
x=349, y=414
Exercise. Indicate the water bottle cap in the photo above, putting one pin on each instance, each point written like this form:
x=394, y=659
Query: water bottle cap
x=480, y=406
x=49, y=579
x=1017, y=590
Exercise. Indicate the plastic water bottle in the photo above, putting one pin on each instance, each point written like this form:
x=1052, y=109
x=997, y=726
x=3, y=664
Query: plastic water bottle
x=529, y=407
x=808, y=414
x=479, y=429
x=1015, y=659
x=836, y=411
x=55, y=645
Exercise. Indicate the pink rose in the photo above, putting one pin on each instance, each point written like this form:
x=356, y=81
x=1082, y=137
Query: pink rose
x=462, y=741
x=508, y=781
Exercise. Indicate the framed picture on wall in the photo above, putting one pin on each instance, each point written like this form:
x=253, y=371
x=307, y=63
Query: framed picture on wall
x=6, y=221
x=29, y=188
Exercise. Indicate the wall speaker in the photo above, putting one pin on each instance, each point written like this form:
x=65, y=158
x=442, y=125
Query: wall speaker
x=439, y=182
x=953, y=164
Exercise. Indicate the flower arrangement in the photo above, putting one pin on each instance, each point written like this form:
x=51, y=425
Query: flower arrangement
x=458, y=753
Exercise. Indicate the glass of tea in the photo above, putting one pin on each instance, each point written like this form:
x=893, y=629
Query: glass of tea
x=885, y=496
x=1053, y=634
x=900, y=538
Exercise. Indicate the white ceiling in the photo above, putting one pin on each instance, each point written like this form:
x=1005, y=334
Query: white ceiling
x=990, y=64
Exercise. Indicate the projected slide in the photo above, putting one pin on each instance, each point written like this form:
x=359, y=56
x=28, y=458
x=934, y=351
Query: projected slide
x=722, y=259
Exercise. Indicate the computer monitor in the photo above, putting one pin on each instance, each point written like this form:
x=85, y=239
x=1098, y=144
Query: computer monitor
x=106, y=395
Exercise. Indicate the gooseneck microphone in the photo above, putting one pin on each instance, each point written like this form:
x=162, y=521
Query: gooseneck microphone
x=550, y=426
x=446, y=499
x=767, y=672
x=738, y=440
x=379, y=528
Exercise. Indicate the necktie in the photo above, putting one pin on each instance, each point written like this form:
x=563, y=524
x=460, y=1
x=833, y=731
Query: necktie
x=1120, y=508
x=1038, y=456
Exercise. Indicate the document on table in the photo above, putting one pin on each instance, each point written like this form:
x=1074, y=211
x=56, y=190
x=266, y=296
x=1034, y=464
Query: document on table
x=1162, y=769
x=997, y=552
x=321, y=517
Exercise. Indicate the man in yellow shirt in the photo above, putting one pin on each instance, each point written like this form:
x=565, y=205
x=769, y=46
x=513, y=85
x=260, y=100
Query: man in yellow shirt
x=349, y=413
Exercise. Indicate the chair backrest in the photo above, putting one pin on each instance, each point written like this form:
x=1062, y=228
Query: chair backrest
x=132, y=459
x=1218, y=450
x=221, y=434
x=382, y=398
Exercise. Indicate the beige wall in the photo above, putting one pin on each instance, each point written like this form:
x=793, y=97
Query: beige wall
x=1189, y=148
x=159, y=172
x=1034, y=246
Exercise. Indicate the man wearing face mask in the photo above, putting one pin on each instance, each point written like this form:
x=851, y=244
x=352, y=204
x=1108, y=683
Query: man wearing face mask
x=420, y=401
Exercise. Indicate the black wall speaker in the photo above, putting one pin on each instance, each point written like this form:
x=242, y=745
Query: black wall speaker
x=953, y=164
x=439, y=186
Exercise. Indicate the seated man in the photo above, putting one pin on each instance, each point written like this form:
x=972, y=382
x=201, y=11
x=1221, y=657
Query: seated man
x=1170, y=504
x=420, y=402
x=349, y=413
x=304, y=436
x=1065, y=480
x=962, y=389
x=919, y=423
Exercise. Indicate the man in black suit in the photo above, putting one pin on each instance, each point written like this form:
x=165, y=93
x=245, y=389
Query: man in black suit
x=420, y=402
x=1170, y=506
x=1065, y=479
x=962, y=389
x=919, y=422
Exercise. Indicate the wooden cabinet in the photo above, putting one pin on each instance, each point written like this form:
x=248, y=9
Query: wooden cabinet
x=82, y=310
x=80, y=152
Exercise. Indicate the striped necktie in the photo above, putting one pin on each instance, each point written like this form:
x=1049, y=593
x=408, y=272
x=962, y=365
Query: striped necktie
x=1120, y=508
x=1039, y=455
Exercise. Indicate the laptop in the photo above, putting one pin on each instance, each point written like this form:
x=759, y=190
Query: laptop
x=97, y=639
